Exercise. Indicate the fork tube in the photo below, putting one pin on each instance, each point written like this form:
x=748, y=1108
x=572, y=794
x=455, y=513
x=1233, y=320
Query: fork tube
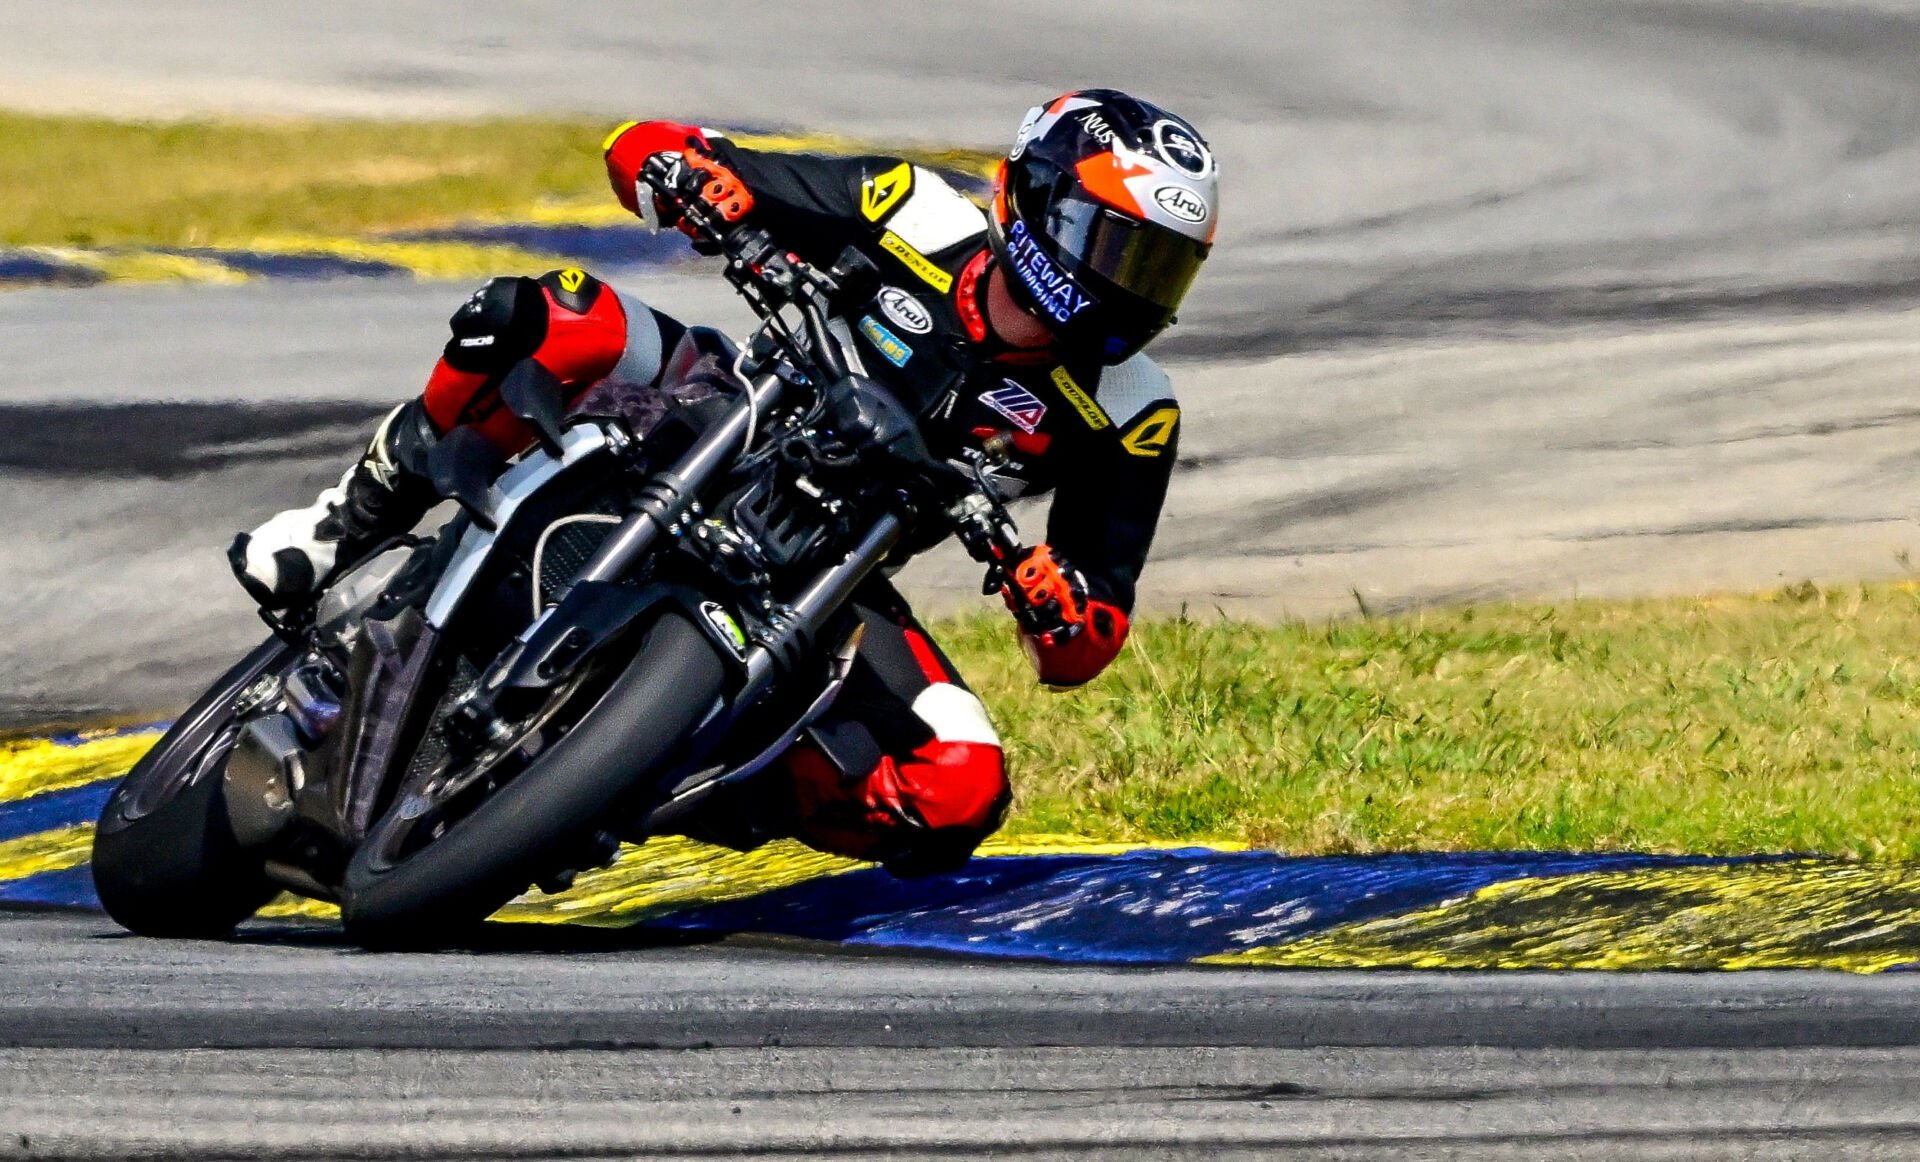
x=829, y=591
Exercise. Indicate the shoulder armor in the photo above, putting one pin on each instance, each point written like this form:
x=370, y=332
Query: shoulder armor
x=1139, y=397
x=928, y=215
x=1132, y=387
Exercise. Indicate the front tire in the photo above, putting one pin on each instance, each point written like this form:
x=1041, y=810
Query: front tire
x=165, y=860
x=406, y=890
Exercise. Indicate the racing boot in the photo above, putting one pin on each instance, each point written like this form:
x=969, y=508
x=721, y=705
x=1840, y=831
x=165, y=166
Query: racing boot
x=292, y=558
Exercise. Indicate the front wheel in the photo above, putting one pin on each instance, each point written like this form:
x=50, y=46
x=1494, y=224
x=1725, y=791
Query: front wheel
x=165, y=861
x=449, y=853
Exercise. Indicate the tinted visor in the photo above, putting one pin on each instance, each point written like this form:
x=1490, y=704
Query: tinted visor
x=1138, y=257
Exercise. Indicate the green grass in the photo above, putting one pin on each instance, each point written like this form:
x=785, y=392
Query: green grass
x=82, y=181
x=1782, y=722
x=78, y=181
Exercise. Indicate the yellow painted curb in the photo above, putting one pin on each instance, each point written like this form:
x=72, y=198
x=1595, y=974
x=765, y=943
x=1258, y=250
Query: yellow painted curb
x=1796, y=914
x=35, y=766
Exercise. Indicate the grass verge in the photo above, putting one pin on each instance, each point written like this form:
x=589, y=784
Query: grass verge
x=83, y=181
x=79, y=181
x=1781, y=722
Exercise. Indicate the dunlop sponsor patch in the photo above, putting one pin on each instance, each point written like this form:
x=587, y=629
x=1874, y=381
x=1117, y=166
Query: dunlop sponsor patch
x=917, y=262
x=1081, y=401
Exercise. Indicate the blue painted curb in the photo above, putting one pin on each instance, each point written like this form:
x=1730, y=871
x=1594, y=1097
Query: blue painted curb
x=1141, y=907
x=53, y=810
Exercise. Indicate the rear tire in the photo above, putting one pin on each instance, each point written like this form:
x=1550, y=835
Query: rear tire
x=434, y=894
x=165, y=861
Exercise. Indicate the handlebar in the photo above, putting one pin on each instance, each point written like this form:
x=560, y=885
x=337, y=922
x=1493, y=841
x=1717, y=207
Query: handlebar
x=771, y=279
x=768, y=277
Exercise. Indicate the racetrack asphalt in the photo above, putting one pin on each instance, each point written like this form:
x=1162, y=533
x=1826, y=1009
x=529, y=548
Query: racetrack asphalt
x=1511, y=299
x=576, y=1043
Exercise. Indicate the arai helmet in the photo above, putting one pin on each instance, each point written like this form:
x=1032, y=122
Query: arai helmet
x=1102, y=215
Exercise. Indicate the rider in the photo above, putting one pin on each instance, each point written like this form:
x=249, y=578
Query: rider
x=1024, y=322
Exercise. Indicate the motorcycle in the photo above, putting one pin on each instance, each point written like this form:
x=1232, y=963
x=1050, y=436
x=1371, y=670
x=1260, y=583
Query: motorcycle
x=614, y=634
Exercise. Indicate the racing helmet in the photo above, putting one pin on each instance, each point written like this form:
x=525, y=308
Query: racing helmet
x=1102, y=214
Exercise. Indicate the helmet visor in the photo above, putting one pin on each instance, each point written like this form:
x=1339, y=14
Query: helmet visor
x=1138, y=257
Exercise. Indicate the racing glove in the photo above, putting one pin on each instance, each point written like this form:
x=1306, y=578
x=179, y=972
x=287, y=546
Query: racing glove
x=692, y=170
x=1069, y=635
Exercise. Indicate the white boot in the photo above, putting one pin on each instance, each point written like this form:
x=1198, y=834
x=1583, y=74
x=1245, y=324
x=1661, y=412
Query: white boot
x=291, y=558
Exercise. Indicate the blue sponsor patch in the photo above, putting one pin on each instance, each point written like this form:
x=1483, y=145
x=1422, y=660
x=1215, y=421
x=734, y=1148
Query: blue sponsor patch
x=1059, y=296
x=885, y=341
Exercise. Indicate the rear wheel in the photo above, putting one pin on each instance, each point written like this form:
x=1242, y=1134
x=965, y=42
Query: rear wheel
x=451, y=850
x=165, y=861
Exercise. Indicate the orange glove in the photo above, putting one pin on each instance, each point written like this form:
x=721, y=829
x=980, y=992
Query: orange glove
x=1069, y=636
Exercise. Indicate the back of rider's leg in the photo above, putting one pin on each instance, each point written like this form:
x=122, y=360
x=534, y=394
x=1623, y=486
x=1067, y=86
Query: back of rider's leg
x=573, y=324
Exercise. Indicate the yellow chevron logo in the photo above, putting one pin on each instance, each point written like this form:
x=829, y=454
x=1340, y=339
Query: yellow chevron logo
x=1149, y=437
x=883, y=192
x=571, y=278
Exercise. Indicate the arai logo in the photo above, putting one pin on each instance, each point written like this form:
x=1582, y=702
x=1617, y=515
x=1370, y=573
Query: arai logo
x=912, y=316
x=1181, y=149
x=1182, y=203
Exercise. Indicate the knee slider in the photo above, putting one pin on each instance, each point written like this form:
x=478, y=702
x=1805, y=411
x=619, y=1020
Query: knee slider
x=504, y=322
x=572, y=288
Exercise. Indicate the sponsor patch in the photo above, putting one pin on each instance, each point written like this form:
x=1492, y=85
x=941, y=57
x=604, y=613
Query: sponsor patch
x=1082, y=402
x=1179, y=148
x=1059, y=296
x=917, y=262
x=882, y=192
x=885, y=341
x=907, y=312
x=1182, y=203
x=730, y=630
x=1017, y=404
x=1149, y=437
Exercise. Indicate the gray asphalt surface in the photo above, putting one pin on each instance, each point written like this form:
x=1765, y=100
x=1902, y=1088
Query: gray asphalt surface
x=563, y=1043
x=1512, y=298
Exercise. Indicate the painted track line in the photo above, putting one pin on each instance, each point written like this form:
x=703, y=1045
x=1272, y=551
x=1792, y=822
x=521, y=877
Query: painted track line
x=1073, y=900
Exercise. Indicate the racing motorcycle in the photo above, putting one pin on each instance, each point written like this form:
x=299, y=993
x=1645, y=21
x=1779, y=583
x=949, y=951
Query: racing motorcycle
x=613, y=636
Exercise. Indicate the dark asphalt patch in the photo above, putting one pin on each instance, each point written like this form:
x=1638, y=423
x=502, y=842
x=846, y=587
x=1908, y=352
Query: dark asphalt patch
x=170, y=440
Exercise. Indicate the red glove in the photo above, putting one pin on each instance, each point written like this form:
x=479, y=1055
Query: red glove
x=628, y=149
x=1069, y=636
